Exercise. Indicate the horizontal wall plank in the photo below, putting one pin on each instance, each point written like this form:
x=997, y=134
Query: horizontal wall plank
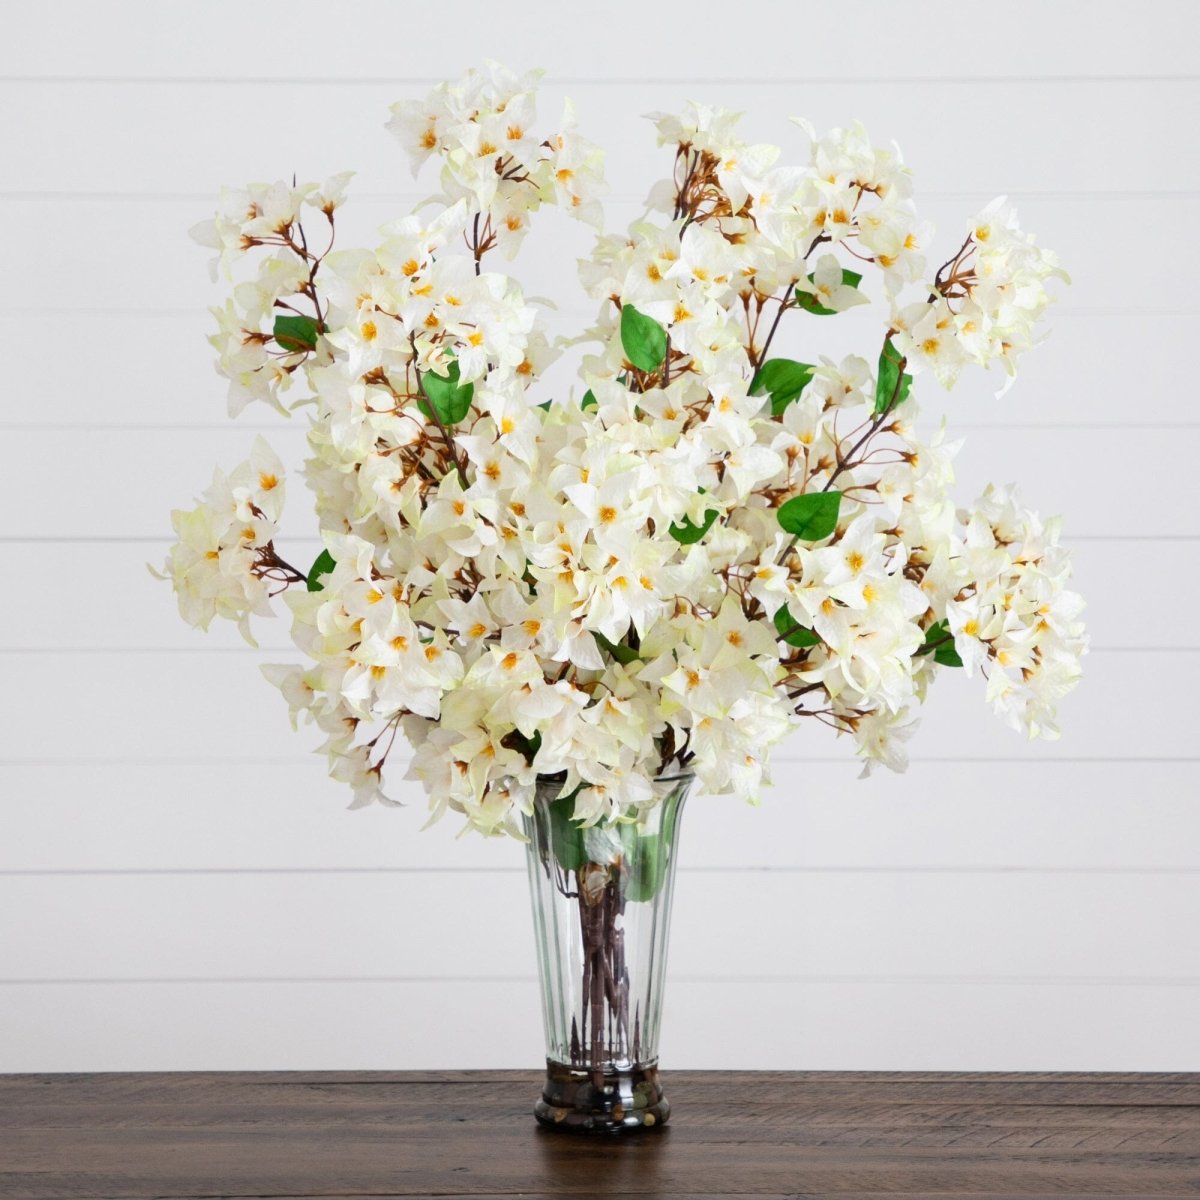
x=1065, y=381
x=751, y=925
x=125, y=486
x=288, y=817
x=940, y=124
x=139, y=249
x=132, y=611
x=814, y=1025
x=218, y=42
x=216, y=707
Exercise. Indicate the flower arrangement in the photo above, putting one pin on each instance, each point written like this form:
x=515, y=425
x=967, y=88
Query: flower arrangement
x=704, y=548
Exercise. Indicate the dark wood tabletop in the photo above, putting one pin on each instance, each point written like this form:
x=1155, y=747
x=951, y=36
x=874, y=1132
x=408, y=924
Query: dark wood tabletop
x=463, y=1133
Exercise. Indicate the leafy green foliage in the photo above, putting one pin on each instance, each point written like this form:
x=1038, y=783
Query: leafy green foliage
x=939, y=642
x=783, y=379
x=687, y=532
x=646, y=862
x=891, y=384
x=809, y=302
x=947, y=656
x=295, y=333
x=622, y=653
x=589, y=399
x=792, y=632
x=566, y=837
x=812, y=516
x=322, y=566
x=450, y=399
x=528, y=746
x=643, y=339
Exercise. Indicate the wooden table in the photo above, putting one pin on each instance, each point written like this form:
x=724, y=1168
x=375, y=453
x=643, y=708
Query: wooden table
x=449, y=1133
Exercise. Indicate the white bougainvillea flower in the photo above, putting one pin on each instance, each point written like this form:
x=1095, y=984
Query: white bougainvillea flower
x=698, y=546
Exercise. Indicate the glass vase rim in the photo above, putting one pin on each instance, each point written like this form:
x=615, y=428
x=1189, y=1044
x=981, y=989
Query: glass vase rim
x=673, y=777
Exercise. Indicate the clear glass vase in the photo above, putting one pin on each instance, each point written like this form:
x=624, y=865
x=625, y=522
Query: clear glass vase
x=602, y=915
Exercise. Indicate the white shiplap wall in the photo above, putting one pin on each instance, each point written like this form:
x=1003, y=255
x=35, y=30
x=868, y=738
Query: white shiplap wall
x=179, y=885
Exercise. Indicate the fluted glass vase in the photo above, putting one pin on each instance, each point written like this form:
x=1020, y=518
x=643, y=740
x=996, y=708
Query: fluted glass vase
x=602, y=914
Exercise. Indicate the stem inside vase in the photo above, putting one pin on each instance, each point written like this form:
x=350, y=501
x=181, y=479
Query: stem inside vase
x=605, y=984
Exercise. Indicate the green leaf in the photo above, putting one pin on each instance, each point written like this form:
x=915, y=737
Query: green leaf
x=891, y=384
x=323, y=565
x=643, y=339
x=451, y=400
x=566, y=838
x=812, y=516
x=514, y=739
x=687, y=532
x=792, y=631
x=622, y=653
x=646, y=862
x=295, y=333
x=809, y=302
x=589, y=399
x=947, y=656
x=939, y=641
x=783, y=379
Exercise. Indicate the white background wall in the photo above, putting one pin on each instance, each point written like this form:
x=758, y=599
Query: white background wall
x=179, y=884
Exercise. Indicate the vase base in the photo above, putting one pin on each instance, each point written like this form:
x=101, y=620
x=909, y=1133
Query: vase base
x=578, y=1101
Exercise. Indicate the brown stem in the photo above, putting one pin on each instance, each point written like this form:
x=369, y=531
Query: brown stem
x=605, y=982
x=758, y=360
x=437, y=420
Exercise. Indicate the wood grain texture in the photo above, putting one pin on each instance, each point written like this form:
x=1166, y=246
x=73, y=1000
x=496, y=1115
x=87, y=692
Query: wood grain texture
x=470, y=1134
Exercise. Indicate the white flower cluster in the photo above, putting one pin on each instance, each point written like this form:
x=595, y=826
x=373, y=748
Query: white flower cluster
x=984, y=304
x=1011, y=614
x=224, y=562
x=259, y=365
x=669, y=572
x=482, y=130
